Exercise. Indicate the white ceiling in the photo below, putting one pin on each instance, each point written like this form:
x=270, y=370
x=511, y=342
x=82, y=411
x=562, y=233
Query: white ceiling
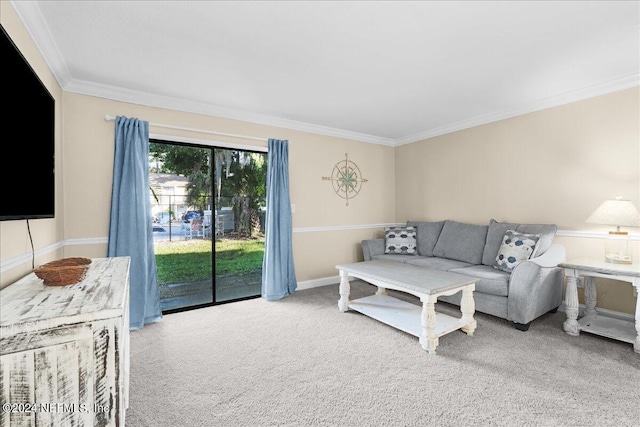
x=384, y=72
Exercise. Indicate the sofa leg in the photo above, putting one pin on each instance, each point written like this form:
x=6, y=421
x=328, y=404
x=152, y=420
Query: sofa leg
x=555, y=310
x=522, y=326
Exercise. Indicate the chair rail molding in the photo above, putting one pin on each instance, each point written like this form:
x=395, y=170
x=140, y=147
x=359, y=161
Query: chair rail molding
x=591, y=234
x=16, y=261
x=343, y=227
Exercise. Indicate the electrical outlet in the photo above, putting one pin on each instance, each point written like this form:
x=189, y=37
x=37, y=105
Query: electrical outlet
x=635, y=291
x=293, y=208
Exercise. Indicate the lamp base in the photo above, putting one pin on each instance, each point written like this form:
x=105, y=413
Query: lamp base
x=617, y=250
x=618, y=259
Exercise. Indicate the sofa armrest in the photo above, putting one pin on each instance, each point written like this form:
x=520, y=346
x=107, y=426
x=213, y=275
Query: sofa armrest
x=556, y=254
x=533, y=291
x=372, y=247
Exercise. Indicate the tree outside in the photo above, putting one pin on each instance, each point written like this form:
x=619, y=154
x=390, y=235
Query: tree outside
x=239, y=180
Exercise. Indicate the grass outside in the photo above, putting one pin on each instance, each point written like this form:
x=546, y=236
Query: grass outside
x=190, y=261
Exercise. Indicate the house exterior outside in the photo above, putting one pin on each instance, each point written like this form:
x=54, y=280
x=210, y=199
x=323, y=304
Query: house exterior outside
x=171, y=193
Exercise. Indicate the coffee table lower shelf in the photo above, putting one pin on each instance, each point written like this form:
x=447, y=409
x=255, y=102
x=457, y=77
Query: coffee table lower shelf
x=403, y=315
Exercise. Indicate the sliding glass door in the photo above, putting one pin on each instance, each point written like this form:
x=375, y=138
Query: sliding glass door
x=208, y=220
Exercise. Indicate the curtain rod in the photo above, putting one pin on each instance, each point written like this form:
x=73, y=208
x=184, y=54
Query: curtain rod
x=233, y=135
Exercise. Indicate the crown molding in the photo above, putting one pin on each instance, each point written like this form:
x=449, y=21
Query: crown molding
x=159, y=101
x=30, y=15
x=554, y=101
x=153, y=100
x=37, y=27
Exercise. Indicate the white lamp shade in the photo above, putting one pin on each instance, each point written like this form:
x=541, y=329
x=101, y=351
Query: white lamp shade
x=616, y=212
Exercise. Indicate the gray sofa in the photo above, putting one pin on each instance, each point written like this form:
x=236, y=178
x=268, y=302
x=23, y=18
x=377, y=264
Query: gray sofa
x=531, y=289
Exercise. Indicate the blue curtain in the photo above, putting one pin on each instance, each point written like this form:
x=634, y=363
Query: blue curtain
x=278, y=272
x=130, y=227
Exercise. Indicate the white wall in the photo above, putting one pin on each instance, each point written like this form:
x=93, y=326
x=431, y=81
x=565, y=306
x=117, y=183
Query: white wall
x=16, y=252
x=552, y=166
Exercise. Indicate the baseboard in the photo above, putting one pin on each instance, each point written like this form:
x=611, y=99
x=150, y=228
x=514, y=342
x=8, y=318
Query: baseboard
x=604, y=312
x=316, y=283
x=323, y=281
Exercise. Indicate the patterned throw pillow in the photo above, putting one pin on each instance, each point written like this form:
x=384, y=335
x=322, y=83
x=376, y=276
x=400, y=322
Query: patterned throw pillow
x=400, y=240
x=516, y=247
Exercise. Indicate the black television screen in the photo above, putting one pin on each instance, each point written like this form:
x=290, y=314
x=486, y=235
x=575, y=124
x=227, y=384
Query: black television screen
x=28, y=120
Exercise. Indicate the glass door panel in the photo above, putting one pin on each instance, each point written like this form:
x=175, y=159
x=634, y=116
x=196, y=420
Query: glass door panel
x=180, y=182
x=238, y=218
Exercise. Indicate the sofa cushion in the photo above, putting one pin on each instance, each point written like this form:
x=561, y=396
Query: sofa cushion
x=495, y=234
x=396, y=258
x=492, y=281
x=516, y=247
x=462, y=242
x=546, y=231
x=427, y=234
x=400, y=241
x=438, y=263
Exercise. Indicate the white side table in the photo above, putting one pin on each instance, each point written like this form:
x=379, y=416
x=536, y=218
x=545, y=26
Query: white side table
x=588, y=269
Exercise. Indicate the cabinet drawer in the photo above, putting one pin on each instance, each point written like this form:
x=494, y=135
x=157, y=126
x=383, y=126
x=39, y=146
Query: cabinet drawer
x=22, y=342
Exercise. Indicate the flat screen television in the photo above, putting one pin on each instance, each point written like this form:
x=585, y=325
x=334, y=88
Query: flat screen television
x=28, y=118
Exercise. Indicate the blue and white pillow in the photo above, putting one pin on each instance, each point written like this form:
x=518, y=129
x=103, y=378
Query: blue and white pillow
x=516, y=247
x=400, y=240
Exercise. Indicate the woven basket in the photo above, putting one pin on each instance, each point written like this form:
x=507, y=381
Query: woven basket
x=62, y=272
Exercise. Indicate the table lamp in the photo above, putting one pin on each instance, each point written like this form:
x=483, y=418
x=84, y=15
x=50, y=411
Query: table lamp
x=617, y=212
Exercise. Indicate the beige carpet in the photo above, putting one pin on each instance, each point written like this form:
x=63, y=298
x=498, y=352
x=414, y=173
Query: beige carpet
x=300, y=362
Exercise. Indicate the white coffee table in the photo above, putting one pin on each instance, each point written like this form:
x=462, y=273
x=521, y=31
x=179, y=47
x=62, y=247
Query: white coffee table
x=426, y=284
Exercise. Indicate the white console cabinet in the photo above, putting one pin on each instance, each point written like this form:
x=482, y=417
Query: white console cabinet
x=64, y=350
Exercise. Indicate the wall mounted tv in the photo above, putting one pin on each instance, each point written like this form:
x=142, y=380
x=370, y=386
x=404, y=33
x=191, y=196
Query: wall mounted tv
x=27, y=173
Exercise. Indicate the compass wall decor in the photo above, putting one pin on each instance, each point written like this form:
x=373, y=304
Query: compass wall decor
x=346, y=179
